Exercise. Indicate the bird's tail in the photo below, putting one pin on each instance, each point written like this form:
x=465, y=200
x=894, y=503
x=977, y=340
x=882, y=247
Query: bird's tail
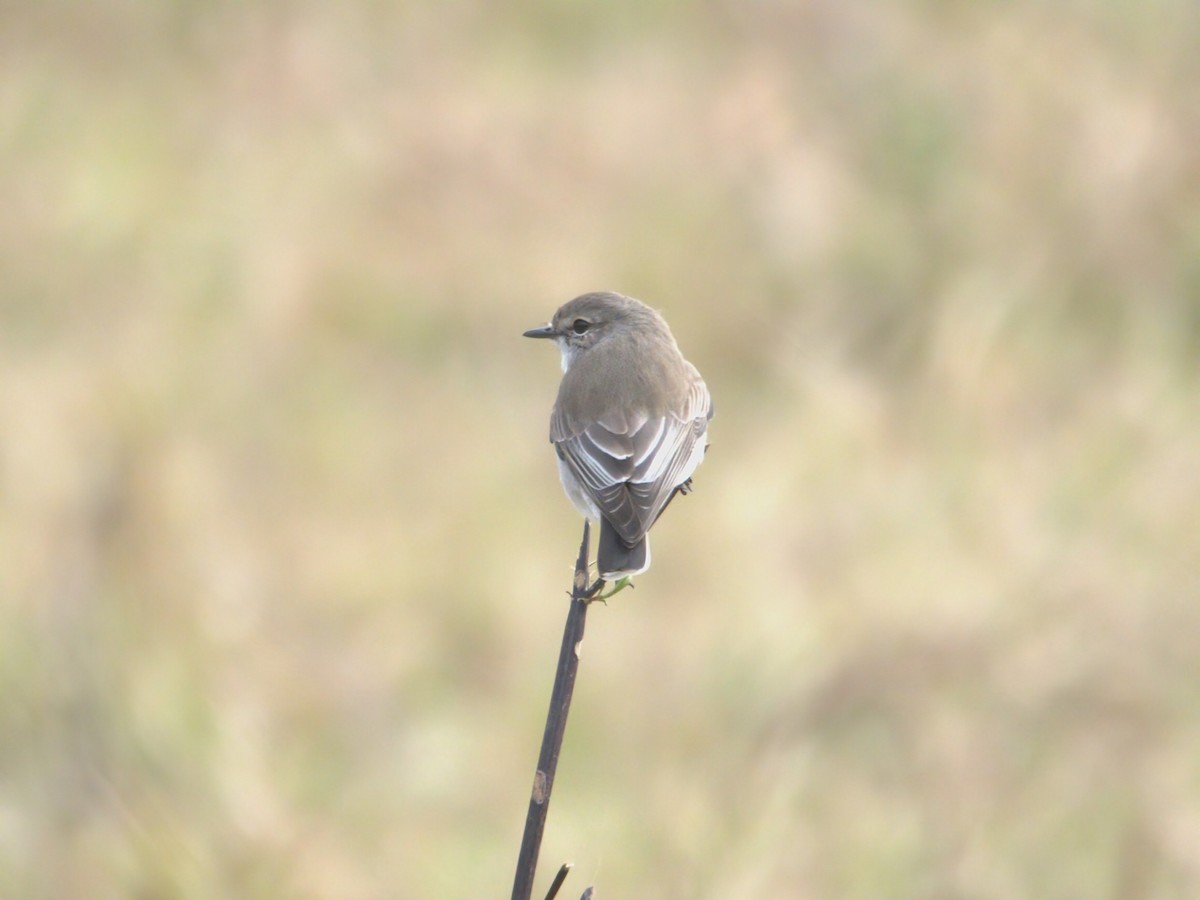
x=616, y=559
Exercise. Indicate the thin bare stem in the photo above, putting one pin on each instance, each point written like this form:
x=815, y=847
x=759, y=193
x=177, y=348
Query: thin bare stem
x=558, y=881
x=556, y=726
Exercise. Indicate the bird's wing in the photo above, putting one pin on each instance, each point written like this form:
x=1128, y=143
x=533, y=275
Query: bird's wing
x=630, y=465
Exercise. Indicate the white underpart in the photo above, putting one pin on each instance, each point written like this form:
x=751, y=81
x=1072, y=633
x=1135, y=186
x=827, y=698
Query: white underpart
x=576, y=493
x=568, y=352
x=693, y=462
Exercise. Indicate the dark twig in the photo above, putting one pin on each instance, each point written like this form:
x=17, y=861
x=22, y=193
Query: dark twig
x=556, y=725
x=558, y=881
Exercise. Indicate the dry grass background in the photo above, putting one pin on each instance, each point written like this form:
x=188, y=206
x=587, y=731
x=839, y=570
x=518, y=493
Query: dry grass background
x=284, y=555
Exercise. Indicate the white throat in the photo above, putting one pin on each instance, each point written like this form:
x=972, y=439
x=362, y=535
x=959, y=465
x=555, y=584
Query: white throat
x=568, y=352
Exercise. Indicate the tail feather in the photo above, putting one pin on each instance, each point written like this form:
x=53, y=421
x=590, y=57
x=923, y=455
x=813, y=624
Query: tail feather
x=615, y=559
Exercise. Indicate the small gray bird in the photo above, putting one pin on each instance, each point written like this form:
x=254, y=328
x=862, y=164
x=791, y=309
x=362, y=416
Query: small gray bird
x=630, y=423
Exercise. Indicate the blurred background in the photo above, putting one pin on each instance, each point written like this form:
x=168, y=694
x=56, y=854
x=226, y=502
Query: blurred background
x=284, y=553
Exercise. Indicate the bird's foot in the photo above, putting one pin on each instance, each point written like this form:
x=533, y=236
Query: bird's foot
x=594, y=592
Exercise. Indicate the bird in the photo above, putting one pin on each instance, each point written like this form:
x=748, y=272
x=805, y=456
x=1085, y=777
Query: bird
x=629, y=425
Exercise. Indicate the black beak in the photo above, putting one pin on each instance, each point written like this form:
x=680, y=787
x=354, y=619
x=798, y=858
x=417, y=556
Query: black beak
x=546, y=331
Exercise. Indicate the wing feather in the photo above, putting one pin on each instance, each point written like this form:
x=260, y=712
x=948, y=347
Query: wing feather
x=631, y=464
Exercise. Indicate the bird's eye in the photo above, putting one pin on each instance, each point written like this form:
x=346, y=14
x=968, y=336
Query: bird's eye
x=580, y=326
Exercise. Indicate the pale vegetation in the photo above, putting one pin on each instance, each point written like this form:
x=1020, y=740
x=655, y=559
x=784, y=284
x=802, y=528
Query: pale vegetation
x=284, y=551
